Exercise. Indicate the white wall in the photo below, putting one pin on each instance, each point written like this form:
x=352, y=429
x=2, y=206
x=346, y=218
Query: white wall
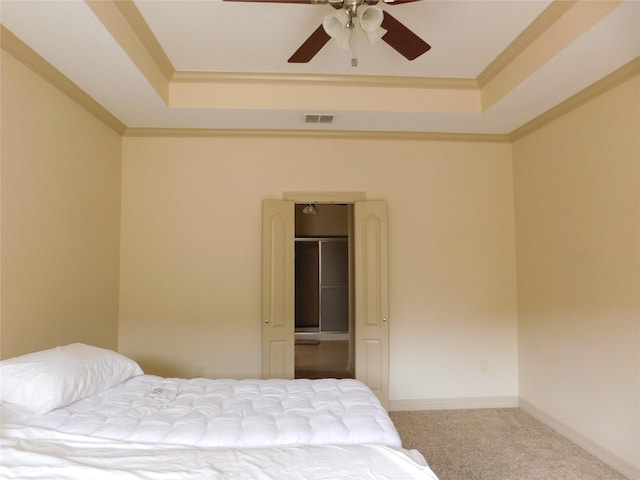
x=191, y=246
x=577, y=184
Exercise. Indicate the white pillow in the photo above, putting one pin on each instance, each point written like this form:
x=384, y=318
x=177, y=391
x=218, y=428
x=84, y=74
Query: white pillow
x=43, y=381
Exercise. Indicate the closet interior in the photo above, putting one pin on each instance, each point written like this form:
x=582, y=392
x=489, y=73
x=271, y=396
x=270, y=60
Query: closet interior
x=323, y=291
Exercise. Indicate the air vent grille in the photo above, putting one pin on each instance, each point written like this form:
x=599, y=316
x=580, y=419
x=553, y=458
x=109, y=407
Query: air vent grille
x=324, y=119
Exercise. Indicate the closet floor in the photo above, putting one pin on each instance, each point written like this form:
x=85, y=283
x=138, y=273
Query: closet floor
x=326, y=359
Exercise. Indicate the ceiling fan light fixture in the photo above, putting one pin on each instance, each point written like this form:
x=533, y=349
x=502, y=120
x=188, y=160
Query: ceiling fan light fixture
x=335, y=25
x=370, y=22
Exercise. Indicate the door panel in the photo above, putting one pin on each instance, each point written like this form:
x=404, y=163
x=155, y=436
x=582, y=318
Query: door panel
x=278, y=354
x=371, y=293
x=373, y=354
x=372, y=296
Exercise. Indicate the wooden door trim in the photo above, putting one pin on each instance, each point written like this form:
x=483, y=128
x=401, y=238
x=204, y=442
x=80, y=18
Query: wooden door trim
x=324, y=197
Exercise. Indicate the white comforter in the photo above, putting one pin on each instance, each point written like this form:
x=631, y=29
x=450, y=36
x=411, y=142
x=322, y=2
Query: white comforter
x=36, y=453
x=225, y=413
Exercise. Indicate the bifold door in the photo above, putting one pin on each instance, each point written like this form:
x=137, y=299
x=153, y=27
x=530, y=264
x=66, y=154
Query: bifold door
x=371, y=293
x=372, y=296
x=278, y=322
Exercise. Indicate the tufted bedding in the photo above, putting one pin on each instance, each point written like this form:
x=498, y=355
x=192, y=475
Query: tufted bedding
x=225, y=413
x=78, y=412
x=31, y=453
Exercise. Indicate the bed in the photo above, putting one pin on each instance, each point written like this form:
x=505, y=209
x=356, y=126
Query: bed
x=82, y=412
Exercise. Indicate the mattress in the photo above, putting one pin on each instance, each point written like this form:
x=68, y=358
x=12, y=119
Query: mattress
x=224, y=413
x=36, y=453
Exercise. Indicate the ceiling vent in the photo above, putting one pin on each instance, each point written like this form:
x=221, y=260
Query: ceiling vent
x=324, y=119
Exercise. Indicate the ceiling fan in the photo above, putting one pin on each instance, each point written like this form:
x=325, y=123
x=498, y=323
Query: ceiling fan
x=374, y=22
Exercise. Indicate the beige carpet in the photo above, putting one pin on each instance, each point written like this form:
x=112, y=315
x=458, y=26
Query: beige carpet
x=496, y=444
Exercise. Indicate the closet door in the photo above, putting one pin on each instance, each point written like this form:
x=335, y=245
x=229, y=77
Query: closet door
x=372, y=297
x=278, y=319
x=371, y=293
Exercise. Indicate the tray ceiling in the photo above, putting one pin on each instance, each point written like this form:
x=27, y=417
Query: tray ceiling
x=493, y=66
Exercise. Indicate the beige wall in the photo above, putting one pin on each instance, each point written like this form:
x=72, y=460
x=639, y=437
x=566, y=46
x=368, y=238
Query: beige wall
x=190, y=242
x=191, y=246
x=60, y=218
x=577, y=217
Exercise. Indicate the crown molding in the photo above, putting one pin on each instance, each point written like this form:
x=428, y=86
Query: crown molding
x=541, y=24
x=127, y=27
x=607, y=83
x=555, y=32
x=16, y=47
x=140, y=27
x=26, y=55
x=335, y=134
x=326, y=79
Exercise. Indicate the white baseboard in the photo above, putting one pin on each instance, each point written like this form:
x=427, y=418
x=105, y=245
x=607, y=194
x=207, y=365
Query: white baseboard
x=453, y=403
x=611, y=459
x=598, y=451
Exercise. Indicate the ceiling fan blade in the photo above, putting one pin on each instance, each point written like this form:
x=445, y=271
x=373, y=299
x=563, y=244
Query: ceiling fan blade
x=398, y=2
x=311, y=46
x=399, y=37
x=274, y=1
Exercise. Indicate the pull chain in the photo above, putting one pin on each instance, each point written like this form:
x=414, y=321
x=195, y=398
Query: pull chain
x=354, y=56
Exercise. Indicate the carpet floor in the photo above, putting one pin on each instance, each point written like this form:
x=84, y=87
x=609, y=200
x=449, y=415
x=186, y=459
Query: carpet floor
x=496, y=444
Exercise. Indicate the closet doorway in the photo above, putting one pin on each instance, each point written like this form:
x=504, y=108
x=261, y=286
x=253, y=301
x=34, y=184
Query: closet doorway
x=323, y=291
x=369, y=330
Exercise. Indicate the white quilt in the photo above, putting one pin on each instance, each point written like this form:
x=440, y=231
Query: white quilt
x=225, y=413
x=30, y=453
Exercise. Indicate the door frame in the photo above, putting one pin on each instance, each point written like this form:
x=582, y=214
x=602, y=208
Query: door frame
x=324, y=197
x=379, y=374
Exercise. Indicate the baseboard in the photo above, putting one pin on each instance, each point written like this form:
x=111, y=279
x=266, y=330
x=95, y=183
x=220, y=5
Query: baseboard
x=453, y=403
x=611, y=459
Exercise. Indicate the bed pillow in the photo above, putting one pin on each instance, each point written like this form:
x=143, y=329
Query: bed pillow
x=43, y=381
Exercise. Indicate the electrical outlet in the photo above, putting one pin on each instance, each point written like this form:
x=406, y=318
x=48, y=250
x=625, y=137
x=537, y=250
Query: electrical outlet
x=200, y=371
